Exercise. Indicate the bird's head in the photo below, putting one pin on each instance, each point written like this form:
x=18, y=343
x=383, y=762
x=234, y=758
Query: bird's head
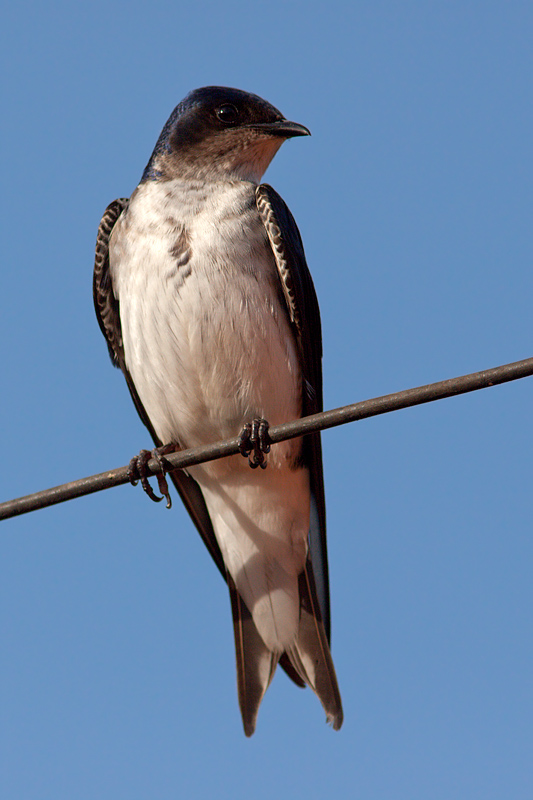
x=217, y=133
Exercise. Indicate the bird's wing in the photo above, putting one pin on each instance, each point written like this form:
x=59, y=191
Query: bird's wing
x=108, y=313
x=303, y=311
x=105, y=302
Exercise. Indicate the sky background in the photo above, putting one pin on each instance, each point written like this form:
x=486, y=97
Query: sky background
x=414, y=199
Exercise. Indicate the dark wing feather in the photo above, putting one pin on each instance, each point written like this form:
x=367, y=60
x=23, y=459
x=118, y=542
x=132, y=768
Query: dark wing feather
x=304, y=313
x=108, y=313
x=105, y=302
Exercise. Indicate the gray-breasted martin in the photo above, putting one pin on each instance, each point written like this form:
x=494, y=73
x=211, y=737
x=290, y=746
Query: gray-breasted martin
x=203, y=294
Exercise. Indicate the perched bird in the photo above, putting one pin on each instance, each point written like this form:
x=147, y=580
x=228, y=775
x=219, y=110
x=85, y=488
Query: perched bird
x=203, y=294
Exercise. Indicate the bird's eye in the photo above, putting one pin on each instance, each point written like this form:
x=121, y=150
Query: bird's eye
x=227, y=113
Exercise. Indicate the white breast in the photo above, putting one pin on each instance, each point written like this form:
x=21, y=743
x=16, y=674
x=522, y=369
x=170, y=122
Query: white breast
x=208, y=345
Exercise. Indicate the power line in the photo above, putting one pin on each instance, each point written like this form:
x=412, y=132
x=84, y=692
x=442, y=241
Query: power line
x=289, y=430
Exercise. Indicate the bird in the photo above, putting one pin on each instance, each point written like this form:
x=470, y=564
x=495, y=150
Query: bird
x=203, y=294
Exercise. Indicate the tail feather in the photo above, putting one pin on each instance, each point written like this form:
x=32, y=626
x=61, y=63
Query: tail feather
x=307, y=661
x=256, y=663
x=310, y=655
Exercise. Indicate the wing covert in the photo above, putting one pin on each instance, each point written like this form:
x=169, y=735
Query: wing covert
x=105, y=302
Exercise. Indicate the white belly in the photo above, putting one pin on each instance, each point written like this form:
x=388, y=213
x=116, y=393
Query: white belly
x=209, y=349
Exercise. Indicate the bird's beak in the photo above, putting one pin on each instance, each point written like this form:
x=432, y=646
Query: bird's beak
x=281, y=127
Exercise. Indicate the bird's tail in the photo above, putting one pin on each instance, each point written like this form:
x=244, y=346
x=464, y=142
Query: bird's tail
x=310, y=654
x=307, y=661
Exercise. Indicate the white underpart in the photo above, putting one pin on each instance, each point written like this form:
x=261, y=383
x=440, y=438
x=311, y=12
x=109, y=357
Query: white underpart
x=209, y=347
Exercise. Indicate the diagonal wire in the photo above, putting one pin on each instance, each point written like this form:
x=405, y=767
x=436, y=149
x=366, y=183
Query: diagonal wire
x=289, y=430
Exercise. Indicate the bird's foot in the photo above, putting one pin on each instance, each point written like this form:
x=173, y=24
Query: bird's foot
x=254, y=442
x=138, y=471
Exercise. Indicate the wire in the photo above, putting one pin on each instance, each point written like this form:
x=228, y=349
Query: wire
x=289, y=430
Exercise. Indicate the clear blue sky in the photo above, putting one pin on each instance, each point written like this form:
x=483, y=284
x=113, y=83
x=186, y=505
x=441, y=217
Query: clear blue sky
x=414, y=200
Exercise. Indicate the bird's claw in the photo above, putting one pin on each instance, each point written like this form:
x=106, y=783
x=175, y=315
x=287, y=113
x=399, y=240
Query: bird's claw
x=137, y=471
x=254, y=442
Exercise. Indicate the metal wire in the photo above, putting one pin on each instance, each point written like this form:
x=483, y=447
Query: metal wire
x=290, y=430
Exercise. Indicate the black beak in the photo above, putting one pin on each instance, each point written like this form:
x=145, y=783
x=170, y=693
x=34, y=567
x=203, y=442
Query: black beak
x=281, y=127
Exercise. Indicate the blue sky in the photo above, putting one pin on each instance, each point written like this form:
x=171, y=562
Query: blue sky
x=413, y=197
